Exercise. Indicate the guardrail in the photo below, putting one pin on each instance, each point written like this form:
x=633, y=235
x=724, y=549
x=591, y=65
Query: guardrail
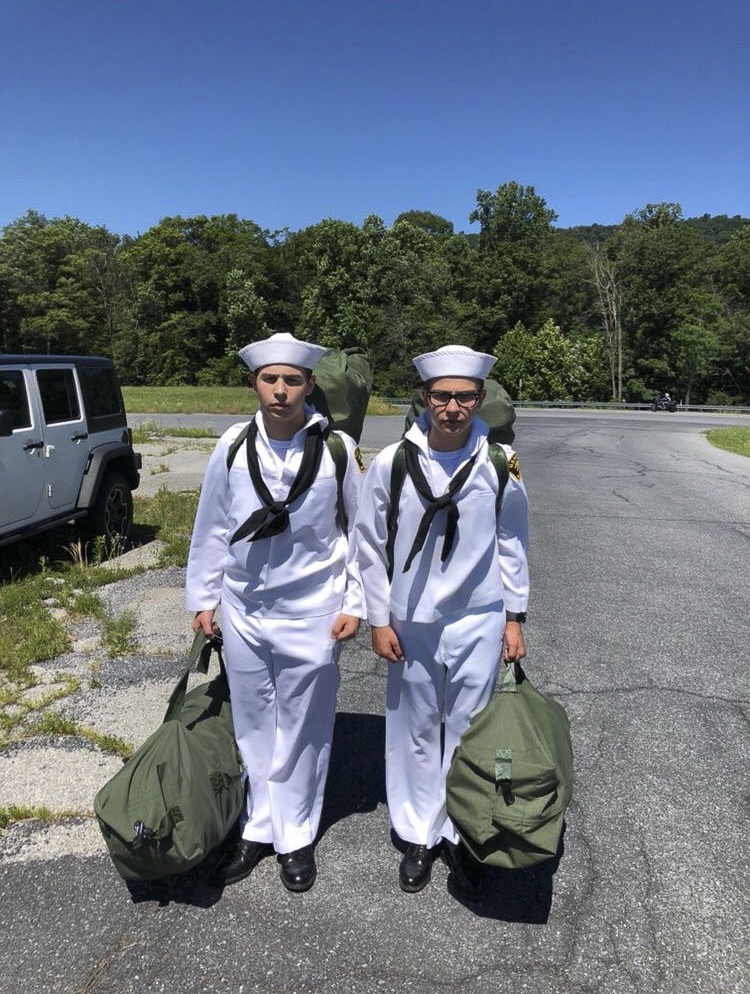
x=601, y=405
x=645, y=406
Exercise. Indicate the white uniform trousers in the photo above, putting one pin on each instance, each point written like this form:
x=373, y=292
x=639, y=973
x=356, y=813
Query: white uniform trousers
x=449, y=672
x=283, y=678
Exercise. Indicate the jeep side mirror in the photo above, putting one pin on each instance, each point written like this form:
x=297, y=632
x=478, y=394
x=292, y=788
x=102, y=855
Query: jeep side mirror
x=6, y=423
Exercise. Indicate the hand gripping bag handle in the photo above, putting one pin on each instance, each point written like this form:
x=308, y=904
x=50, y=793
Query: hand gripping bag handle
x=511, y=675
x=200, y=655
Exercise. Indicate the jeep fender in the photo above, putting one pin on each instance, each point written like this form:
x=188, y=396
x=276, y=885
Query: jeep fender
x=102, y=460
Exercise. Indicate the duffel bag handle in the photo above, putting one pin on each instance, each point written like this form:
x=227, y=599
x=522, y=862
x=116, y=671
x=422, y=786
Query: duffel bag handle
x=511, y=675
x=200, y=655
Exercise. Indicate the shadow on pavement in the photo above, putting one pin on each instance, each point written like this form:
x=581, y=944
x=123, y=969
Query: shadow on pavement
x=356, y=774
x=523, y=896
x=356, y=783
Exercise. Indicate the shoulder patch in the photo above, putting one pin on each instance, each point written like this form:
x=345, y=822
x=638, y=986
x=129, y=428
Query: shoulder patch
x=358, y=457
x=514, y=468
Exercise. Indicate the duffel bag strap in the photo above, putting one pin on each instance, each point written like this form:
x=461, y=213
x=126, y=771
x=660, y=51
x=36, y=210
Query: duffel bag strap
x=510, y=677
x=200, y=655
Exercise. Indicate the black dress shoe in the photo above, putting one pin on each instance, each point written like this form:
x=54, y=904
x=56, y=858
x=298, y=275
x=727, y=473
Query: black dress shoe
x=298, y=870
x=466, y=875
x=416, y=867
x=240, y=861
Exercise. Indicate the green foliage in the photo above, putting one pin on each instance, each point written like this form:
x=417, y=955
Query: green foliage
x=431, y=224
x=545, y=365
x=174, y=305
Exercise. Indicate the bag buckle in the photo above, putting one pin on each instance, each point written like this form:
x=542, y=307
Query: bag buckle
x=141, y=834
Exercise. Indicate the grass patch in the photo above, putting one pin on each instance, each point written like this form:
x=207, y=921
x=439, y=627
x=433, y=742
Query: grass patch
x=169, y=517
x=85, y=604
x=28, y=633
x=735, y=440
x=118, y=634
x=150, y=431
x=189, y=400
x=55, y=724
x=208, y=400
x=17, y=812
x=378, y=407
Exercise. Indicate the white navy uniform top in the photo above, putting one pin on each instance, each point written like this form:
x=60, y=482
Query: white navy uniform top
x=487, y=566
x=305, y=571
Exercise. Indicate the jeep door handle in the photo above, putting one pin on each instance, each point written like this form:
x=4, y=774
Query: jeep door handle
x=79, y=438
x=30, y=446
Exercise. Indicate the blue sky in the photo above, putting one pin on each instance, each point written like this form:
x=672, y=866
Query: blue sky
x=286, y=112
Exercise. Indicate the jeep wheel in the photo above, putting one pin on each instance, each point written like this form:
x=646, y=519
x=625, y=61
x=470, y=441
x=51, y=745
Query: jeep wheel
x=111, y=516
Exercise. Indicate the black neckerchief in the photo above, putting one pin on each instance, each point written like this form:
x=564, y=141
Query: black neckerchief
x=273, y=517
x=434, y=504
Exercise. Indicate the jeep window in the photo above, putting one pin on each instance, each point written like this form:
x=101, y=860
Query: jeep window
x=59, y=397
x=13, y=397
x=100, y=391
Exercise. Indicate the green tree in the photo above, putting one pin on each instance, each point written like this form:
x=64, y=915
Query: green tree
x=431, y=224
x=58, y=278
x=539, y=366
x=730, y=274
x=178, y=324
x=513, y=272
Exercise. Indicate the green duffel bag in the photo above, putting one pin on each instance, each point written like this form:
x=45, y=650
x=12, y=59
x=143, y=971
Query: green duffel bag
x=510, y=779
x=343, y=380
x=177, y=798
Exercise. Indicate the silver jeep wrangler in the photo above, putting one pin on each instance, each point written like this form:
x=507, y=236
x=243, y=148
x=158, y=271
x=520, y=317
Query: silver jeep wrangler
x=66, y=451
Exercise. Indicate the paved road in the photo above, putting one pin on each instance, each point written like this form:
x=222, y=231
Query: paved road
x=639, y=625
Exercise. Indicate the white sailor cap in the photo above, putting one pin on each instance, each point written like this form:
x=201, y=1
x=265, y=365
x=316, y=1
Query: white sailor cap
x=454, y=360
x=281, y=348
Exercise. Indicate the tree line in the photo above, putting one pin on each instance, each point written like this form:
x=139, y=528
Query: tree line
x=590, y=313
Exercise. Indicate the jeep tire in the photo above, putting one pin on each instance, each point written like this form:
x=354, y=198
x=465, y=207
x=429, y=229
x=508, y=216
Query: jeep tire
x=111, y=516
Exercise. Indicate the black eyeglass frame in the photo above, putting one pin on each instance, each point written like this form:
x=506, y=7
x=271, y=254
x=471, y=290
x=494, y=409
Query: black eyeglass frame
x=476, y=396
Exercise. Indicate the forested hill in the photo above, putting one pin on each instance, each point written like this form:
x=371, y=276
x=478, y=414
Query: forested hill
x=587, y=313
x=717, y=230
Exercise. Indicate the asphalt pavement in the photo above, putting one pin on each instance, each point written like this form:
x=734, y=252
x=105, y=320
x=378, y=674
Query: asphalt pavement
x=638, y=625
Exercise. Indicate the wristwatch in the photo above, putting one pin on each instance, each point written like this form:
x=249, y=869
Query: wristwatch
x=519, y=616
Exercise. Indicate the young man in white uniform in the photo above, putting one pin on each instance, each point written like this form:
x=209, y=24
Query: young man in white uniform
x=289, y=594
x=459, y=591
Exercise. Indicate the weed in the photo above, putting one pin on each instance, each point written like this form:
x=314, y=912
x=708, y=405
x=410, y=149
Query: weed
x=85, y=604
x=55, y=724
x=18, y=812
x=118, y=633
x=108, y=743
x=170, y=517
x=50, y=723
x=28, y=633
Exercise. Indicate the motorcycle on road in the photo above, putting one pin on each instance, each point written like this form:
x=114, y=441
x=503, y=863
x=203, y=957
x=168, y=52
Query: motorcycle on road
x=664, y=403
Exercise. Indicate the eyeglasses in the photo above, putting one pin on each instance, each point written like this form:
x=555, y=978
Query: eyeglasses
x=464, y=398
